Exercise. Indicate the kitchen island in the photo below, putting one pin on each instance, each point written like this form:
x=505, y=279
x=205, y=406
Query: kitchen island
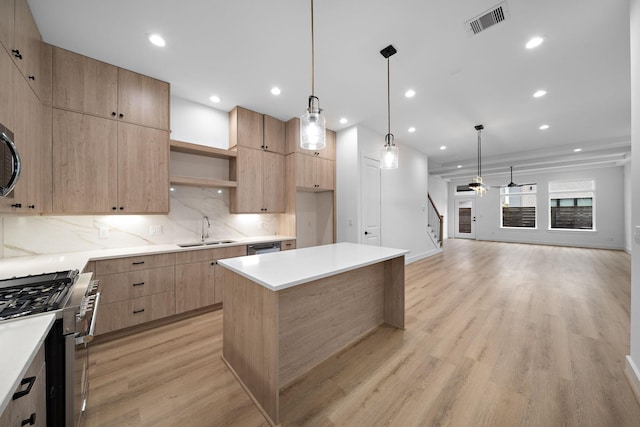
x=286, y=312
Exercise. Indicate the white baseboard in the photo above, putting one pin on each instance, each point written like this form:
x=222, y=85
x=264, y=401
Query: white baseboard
x=423, y=255
x=633, y=375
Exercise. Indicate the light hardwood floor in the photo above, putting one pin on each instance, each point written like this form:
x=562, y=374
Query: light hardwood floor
x=497, y=334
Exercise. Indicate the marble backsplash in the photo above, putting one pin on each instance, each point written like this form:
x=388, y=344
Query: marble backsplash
x=33, y=235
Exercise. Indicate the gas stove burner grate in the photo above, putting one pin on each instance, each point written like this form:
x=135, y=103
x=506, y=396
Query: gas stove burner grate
x=23, y=296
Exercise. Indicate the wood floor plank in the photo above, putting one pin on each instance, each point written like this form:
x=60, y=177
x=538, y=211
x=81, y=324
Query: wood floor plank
x=496, y=334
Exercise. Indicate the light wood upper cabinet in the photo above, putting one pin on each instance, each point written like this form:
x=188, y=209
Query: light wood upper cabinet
x=274, y=135
x=93, y=87
x=27, y=44
x=6, y=89
x=260, y=178
x=83, y=84
x=102, y=166
x=143, y=169
x=273, y=197
x=143, y=100
x=26, y=195
x=84, y=163
x=254, y=130
x=7, y=27
x=246, y=128
x=292, y=137
x=314, y=173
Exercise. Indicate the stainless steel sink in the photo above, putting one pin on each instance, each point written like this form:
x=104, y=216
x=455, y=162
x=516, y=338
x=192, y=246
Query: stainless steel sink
x=214, y=242
x=219, y=242
x=190, y=245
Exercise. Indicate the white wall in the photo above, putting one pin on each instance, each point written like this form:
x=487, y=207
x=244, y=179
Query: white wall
x=199, y=124
x=609, y=211
x=634, y=358
x=403, y=194
x=439, y=191
x=628, y=186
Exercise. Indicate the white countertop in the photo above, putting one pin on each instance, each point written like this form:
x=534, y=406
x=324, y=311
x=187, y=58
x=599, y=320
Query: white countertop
x=20, y=341
x=37, y=264
x=281, y=270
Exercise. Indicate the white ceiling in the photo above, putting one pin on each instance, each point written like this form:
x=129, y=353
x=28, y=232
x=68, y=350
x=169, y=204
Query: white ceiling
x=239, y=49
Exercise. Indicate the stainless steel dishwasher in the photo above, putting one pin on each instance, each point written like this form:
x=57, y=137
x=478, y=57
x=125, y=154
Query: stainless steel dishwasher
x=263, y=248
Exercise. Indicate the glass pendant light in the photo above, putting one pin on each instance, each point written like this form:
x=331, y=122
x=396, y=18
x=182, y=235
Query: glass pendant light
x=389, y=153
x=312, y=123
x=477, y=183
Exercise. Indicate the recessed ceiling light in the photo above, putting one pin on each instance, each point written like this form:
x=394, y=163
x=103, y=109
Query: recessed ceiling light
x=459, y=166
x=410, y=93
x=534, y=42
x=343, y=120
x=577, y=150
x=544, y=127
x=157, y=40
x=214, y=98
x=275, y=90
x=443, y=147
x=540, y=93
x=411, y=129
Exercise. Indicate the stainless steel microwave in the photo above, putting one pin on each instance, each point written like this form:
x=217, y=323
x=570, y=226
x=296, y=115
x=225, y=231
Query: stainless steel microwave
x=9, y=162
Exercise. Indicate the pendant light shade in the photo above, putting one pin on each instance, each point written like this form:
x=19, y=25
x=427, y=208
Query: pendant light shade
x=389, y=153
x=477, y=183
x=312, y=127
x=312, y=123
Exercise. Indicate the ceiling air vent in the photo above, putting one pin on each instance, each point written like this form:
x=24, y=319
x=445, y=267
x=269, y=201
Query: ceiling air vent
x=488, y=19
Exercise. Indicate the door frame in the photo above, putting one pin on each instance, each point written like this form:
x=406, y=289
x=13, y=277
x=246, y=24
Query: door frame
x=456, y=233
x=364, y=160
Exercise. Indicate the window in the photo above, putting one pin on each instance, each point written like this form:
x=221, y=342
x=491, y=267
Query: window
x=518, y=206
x=571, y=205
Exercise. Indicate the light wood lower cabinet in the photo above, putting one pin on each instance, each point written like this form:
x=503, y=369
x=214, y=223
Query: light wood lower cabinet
x=29, y=405
x=135, y=284
x=131, y=312
x=198, y=282
x=287, y=245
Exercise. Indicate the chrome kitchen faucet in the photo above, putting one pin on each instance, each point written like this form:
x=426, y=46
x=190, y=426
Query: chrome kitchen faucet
x=205, y=228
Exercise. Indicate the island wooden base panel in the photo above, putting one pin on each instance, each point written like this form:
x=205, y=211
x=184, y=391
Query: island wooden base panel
x=496, y=334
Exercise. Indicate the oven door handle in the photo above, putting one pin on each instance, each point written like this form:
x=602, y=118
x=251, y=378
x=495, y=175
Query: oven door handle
x=85, y=339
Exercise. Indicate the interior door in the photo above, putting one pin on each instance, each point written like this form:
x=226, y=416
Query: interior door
x=465, y=213
x=370, y=185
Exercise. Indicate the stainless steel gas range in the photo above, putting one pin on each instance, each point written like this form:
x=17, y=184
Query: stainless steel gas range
x=74, y=298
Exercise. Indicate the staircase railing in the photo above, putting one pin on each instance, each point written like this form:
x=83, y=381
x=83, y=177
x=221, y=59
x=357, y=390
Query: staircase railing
x=435, y=220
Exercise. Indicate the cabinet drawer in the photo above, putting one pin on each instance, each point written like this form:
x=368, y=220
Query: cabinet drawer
x=134, y=284
x=31, y=405
x=122, y=314
x=121, y=265
x=286, y=245
x=210, y=254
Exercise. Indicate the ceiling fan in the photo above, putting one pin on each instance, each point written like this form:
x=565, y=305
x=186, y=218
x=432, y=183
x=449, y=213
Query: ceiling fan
x=512, y=184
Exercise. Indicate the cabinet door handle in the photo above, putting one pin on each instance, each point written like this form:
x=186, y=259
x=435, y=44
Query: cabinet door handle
x=32, y=77
x=121, y=115
x=18, y=394
x=29, y=421
x=121, y=208
x=214, y=263
x=31, y=206
x=16, y=53
x=16, y=205
x=138, y=311
x=114, y=208
x=138, y=262
x=113, y=114
x=138, y=284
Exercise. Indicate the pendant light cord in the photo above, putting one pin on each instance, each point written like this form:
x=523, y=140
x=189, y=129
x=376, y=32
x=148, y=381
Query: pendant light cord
x=388, y=97
x=479, y=154
x=313, y=55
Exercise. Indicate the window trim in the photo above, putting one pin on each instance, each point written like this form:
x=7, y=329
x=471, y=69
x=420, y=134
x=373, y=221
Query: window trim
x=502, y=227
x=593, y=205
